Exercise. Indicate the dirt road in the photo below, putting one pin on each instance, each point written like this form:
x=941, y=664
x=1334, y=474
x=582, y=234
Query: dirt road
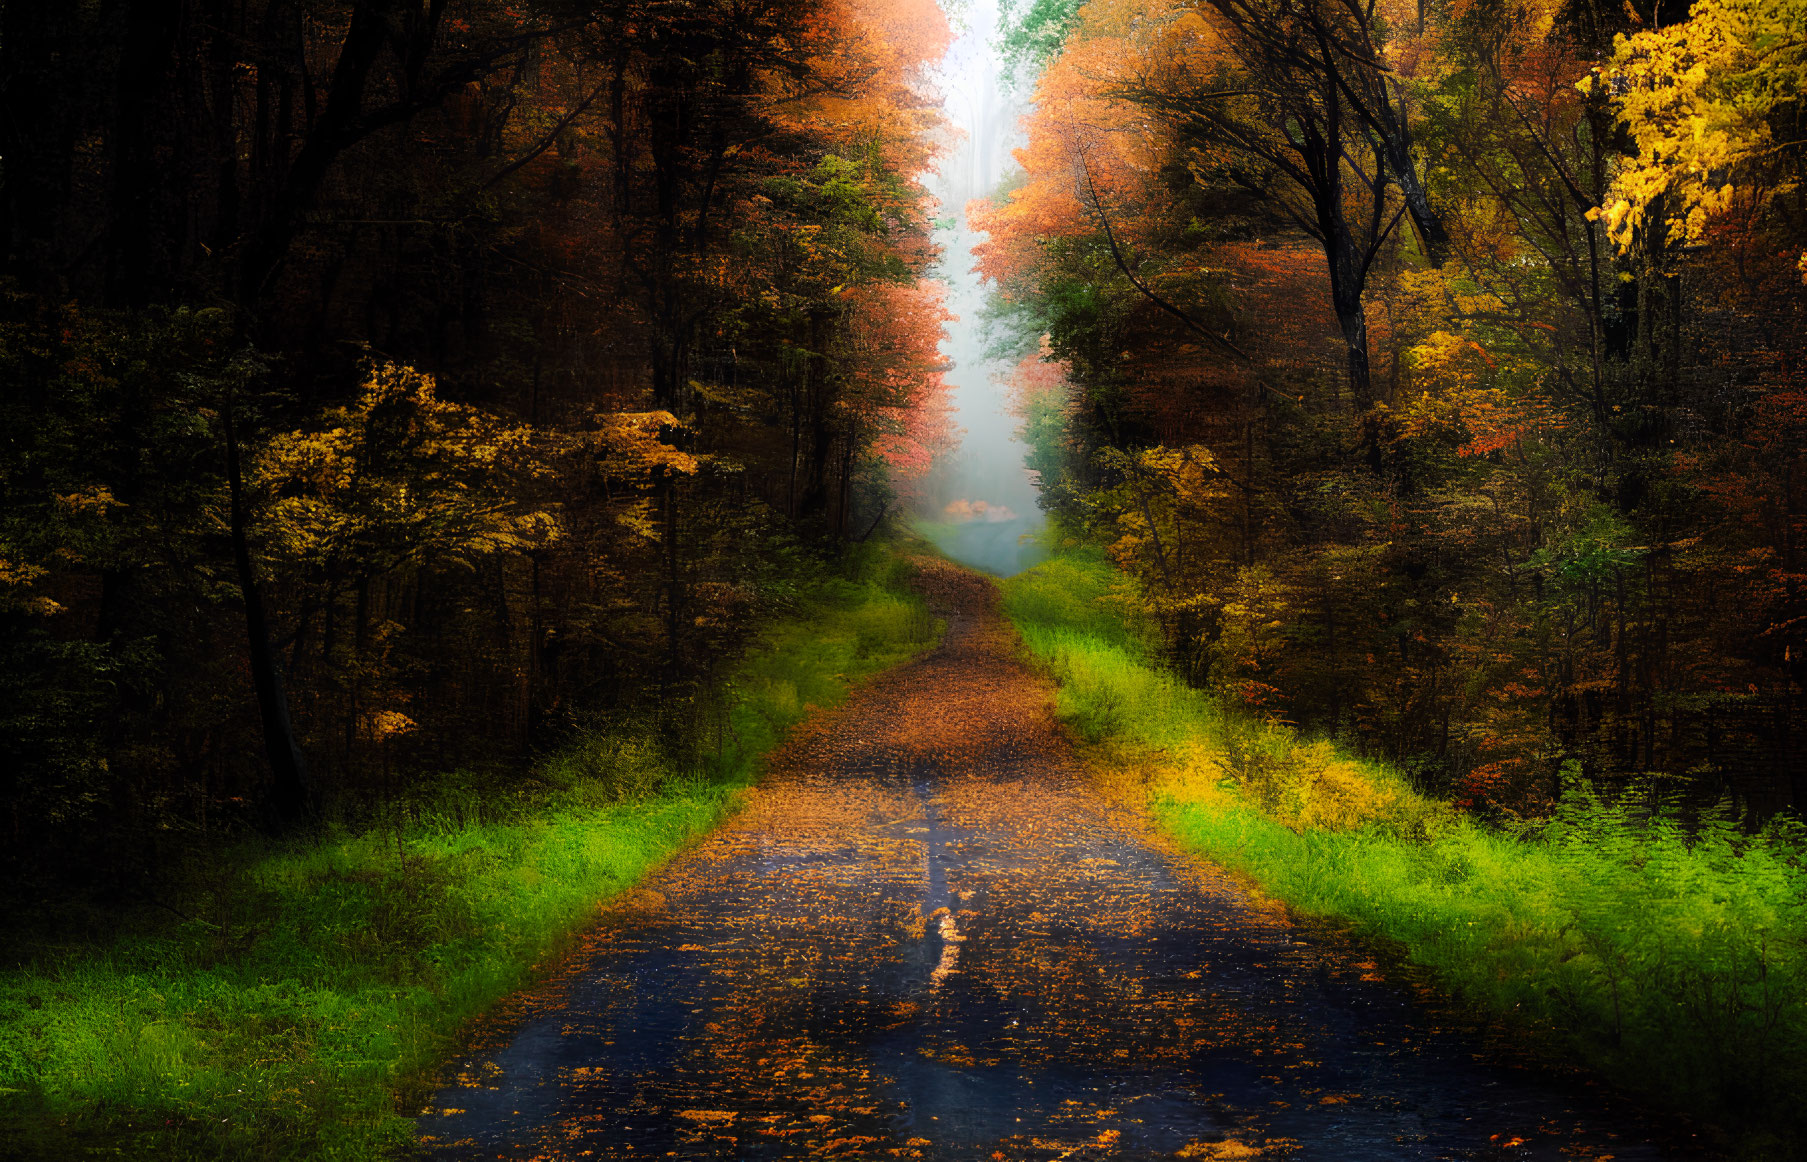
x=928, y=936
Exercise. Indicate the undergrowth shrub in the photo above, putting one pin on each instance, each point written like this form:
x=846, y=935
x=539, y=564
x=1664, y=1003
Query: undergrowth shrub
x=1668, y=949
x=618, y=765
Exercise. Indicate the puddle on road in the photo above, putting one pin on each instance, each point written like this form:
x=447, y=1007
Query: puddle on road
x=928, y=937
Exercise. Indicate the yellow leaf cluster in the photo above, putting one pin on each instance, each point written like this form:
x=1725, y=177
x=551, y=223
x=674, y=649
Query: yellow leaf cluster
x=1697, y=98
x=16, y=576
x=629, y=444
x=400, y=476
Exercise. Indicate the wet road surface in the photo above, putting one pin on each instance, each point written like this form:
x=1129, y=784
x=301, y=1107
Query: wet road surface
x=928, y=935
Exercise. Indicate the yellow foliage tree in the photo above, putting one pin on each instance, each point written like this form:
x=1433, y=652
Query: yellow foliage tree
x=399, y=477
x=1702, y=99
x=640, y=449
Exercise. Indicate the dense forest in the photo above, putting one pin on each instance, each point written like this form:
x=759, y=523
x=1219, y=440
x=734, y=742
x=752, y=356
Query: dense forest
x=1436, y=367
x=396, y=388
x=447, y=447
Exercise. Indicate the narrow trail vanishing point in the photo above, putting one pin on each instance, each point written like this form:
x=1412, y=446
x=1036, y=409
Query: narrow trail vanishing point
x=928, y=936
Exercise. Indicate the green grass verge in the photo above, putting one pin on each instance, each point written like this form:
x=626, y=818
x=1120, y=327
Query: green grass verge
x=300, y=1006
x=1668, y=953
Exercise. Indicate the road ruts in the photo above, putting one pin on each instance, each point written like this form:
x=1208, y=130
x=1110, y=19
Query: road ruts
x=927, y=936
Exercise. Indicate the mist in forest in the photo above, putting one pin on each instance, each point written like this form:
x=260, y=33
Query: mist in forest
x=979, y=504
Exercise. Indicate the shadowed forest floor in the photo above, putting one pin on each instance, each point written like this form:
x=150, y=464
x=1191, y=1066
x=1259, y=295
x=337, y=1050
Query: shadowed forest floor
x=929, y=935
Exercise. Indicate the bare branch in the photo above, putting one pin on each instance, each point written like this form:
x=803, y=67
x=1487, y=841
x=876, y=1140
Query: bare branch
x=1110, y=239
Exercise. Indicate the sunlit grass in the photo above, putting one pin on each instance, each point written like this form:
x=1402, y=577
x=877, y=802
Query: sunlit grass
x=1671, y=957
x=299, y=1007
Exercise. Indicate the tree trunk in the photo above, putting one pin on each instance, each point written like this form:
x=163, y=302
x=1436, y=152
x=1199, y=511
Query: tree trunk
x=224, y=94
x=668, y=486
x=38, y=99
x=289, y=800
x=1352, y=317
x=335, y=130
x=668, y=368
x=1431, y=232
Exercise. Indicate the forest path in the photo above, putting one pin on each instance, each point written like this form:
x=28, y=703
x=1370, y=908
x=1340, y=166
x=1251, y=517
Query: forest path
x=928, y=935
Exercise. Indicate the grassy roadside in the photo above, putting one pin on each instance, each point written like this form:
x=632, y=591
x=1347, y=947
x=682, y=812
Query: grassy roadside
x=1668, y=954
x=299, y=1004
